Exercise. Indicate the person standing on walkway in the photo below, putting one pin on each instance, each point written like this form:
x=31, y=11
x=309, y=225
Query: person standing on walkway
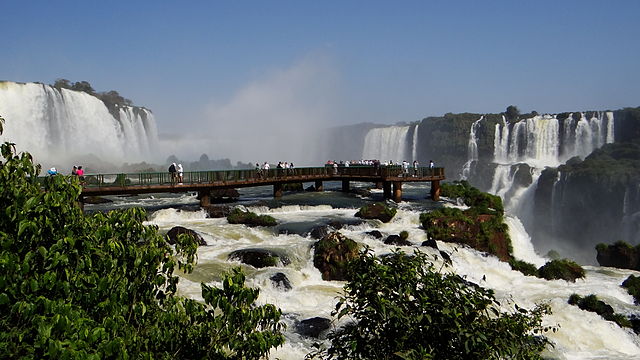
x=180, y=174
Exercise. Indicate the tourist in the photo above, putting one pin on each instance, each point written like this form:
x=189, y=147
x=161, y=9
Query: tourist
x=431, y=164
x=415, y=168
x=172, y=172
x=74, y=171
x=180, y=174
x=52, y=171
x=80, y=173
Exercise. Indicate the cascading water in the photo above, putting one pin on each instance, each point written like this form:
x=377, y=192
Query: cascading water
x=414, y=146
x=60, y=125
x=472, y=150
x=387, y=143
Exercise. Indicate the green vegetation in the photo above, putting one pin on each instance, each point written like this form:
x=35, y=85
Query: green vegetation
x=593, y=304
x=561, y=269
x=104, y=286
x=524, y=267
x=632, y=284
x=239, y=216
x=378, y=211
x=512, y=113
x=332, y=254
x=400, y=307
x=484, y=202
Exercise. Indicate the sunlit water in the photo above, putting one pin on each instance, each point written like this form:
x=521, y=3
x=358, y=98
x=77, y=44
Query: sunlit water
x=580, y=335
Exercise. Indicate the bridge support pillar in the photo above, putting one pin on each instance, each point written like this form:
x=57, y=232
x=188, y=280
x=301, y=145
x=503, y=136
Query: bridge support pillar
x=345, y=185
x=205, y=198
x=397, y=191
x=277, y=190
x=386, y=189
x=319, y=186
x=435, y=190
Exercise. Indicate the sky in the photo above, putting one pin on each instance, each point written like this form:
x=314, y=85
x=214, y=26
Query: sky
x=221, y=72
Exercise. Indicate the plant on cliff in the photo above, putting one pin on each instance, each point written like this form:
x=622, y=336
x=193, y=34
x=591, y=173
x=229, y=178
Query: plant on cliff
x=103, y=285
x=484, y=202
x=400, y=307
x=561, y=269
x=239, y=216
x=524, y=267
x=632, y=284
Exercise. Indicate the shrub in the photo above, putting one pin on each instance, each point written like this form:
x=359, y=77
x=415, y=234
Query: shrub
x=561, y=269
x=632, y=284
x=483, y=202
x=524, y=267
x=402, y=308
x=103, y=285
x=239, y=216
x=378, y=211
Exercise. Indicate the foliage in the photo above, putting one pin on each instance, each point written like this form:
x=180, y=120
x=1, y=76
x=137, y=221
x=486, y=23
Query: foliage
x=404, y=235
x=473, y=197
x=632, y=284
x=512, y=113
x=239, y=216
x=378, y=211
x=104, y=285
x=524, y=267
x=400, y=307
x=332, y=254
x=593, y=304
x=561, y=269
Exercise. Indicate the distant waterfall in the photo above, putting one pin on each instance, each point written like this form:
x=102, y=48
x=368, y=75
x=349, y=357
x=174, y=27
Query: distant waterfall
x=472, y=150
x=387, y=143
x=58, y=125
x=414, y=145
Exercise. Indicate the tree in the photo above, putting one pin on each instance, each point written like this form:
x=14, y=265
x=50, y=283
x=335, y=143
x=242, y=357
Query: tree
x=62, y=84
x=74, y=285
x=401, y=307
x=512, y=113
x=83, y=86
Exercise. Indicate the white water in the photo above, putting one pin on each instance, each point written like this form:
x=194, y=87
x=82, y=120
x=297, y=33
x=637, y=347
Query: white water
x=387, y=143
x=60, y=126
x=580, y=335
x=414, y=146
x=472, y=150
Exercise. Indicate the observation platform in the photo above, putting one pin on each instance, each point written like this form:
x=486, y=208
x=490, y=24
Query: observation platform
x=389, y=178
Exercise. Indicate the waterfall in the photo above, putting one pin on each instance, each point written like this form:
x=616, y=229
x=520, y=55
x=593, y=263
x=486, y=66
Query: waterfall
x=59, y=126
x=414, y=148
x=387, y=143
x=472, y=150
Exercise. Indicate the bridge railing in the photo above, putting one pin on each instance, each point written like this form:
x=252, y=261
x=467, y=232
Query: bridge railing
x=253, y=175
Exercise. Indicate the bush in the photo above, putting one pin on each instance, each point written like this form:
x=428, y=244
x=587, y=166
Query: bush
x=402, y=308
x=239, y=216
x=484, y=202
x=378, y=211
x=103, y=285
x=524, y=267
x=561, y=269
x=632, y=284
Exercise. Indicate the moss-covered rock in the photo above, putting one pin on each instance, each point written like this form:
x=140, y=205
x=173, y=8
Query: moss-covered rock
x=260, y=258
x=593, y=304
x=172, y=235
x=484, y=202
x=564, y=269
x=632, y=284
x=238, y=216
x=619, y=255
x=484, y=232
x=332, y=254
x=378, y=211
x=524, y=267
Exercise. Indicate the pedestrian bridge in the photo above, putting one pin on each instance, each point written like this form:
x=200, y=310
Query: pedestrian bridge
x=389, y=178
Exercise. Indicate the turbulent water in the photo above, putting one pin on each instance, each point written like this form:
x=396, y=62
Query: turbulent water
x=580, y=335
x=58, y=126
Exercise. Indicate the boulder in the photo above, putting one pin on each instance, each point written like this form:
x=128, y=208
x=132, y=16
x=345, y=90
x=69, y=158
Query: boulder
x=313, y=327
x=561, y=269
x=96, y=200
x=218, y=211
x=430, y=243
x=397, y=240
x=178, y=230
x=375, y=234
x=239, y=216
x=378, y=211
x=259, y=258
x=280, y=281
x=619, y=255
x=332, y=254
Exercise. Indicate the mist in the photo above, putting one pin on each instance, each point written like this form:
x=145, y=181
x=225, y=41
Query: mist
x=277, y=117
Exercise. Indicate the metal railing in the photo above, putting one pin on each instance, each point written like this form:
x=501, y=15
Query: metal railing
x=254, y=175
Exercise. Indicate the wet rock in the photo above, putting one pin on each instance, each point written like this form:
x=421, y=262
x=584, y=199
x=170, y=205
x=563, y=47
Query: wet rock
x=178, y=230
x=239, y=216
x=332, y=254
x=260, y=258
x=281, y=281
x=378, y=211
x=619, y=255
x=397, y=240
x=375, y=233
x=218, y=211
x=96, y=200
x=430, y=243
x=313, y=327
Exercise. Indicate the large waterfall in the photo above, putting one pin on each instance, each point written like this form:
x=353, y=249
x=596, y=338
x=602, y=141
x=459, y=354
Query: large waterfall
x=542, y=141
x=391, y=143
x=59, y=126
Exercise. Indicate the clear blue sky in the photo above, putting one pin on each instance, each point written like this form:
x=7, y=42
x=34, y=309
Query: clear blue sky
x=199, y=63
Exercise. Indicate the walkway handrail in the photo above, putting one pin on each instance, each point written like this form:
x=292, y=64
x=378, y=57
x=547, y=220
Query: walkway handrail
x=254, y=175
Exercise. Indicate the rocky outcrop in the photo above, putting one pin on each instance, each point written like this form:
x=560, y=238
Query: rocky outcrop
x=332, y=254
x=281, y=281
x=375, y=234
x=378, y=211
x=260, y=258
x=561, y=269
x=218, y=211
x=313, y=327
x=178, y=230
x=619, y=255
x=398, y=240
x=238, y=216
x=430, y=243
